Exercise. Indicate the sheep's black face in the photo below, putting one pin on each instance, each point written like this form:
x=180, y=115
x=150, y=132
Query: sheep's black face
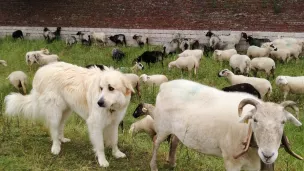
x=244, y=35
x=135, y=37
x=45, y=29
x=209, y=34
x=78, y=33
x=138, y=111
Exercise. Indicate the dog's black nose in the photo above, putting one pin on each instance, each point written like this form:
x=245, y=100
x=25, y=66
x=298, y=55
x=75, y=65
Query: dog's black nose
x=101, y=103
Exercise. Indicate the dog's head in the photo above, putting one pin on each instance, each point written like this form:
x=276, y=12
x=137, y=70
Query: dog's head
x=114, y=90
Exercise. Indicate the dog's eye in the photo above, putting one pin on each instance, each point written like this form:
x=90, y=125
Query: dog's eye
x=111, y=88
x=101, y=88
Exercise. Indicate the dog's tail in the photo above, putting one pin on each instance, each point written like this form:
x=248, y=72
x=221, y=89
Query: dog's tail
x=18, y=104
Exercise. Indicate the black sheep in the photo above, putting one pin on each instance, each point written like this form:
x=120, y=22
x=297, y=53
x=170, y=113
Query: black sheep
x=254, y=41
x=243, y=87
x=17, y=34
x=119, y=39
x=117, y=54
x=151, y=57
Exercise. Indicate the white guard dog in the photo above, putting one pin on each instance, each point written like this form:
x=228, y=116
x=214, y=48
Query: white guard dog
x=99, y=97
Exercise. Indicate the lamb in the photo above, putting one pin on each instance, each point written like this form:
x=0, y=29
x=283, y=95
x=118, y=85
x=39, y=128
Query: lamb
x=153, y=79
x=187, y=63
x=118, y=39
x=117, y=55
x=240, y=64
x=221, y=131
x=18, y=79
x=51, y=36
x=137, y=67
x=197, y=53
x=243, y=87
x=3, y=62
x=290, y=84
x=141, y=40
x=254, y=51
x=134, y=79
x=172, y=47
x=99, y=37
x=263, y=64
x=223, y=55
x=151, y=57
x=254, y=41
x=281, y=54
x=42, y=59
x=70, y=40
x=30, y=56
x=84, y=38
x=262, y=85
x=17, y=34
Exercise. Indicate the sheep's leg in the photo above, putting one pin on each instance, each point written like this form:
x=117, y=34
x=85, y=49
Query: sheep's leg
x=65, y=116
x=159, y=138
x=285, y=95
x=272, y=72
x=172, y=152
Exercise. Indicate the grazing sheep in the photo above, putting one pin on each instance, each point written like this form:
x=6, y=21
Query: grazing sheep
x=254, y=51
x=261, y=84
x=280, y=54
x=18, y=79
x=84, y=38
x=254, y=41
x=17, y=34
x=263, y=64
x=141, y=40
x=172, y=47
x=294, y=49
x=134, y=69
x=223, y=42
x=197, y=53
x=70, y=40
x=134, y=79
x=151, y=57
x=42, y=59
x=117, y=54
x=220, y=128
x=185, y=44
x=145, y=125
x=30, y=56
x=187, y=63
x=99, y=37
x=243, y=87
x=240, y=64
x=118, y=39
x=3, y=62
x=153, y=79
x=51, y=36
x=223, y=55
x=290, y=84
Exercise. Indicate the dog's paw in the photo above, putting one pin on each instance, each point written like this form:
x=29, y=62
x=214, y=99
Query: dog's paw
x=119, y=154
x=64, y=140
x=55, y=149
x=103, y=162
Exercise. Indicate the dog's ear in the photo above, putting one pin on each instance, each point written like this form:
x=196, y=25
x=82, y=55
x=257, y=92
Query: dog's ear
x=128, y=85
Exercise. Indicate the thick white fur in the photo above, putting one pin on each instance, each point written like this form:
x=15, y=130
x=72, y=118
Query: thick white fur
x=17, y=79
x=60, y=88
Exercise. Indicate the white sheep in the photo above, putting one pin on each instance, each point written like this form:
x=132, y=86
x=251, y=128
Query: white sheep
x=146, y=125
x=134, y=79
x=223, y=55
x=281, y=54
x=294, y=49
x=220, y=128
x=134, y=69
x=42, y=59
x=255, y=51
x=240, y=63
x=18, y=79
x=262, y=85
x=99, y=37
x=263, y=64
x=153, y=79
x=189, y=63
x=30, y=56
x=290, y=84
x=3, y=62
x=197, y=53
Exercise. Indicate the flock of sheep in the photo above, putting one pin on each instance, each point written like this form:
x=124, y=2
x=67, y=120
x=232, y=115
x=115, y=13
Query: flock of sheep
x=260, y=57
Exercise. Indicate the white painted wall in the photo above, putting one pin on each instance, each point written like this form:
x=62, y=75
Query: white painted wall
x=156, y=37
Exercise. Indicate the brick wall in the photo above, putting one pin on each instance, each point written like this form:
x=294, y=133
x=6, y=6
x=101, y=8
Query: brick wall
x=247, y=15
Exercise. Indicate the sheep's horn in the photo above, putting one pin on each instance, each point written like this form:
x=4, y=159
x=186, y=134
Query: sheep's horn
x=287, y=148
x=291, y=104
x=245, y=102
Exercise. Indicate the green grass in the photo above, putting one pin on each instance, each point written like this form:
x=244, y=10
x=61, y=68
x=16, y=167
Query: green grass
x=26, y=145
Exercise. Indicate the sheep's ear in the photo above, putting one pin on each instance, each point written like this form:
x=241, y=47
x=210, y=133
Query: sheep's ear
x=244, y=118
x=144, y=109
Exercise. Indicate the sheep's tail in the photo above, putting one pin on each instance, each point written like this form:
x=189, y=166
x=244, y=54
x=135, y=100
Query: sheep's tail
x=23, y=86
x=18, y=104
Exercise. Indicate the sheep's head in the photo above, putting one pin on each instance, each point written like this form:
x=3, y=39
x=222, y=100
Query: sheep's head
x=139, y=66
x=244, y=35
x=281, y=80
x=267, y=123
x=209, y=34
x=272, y=47
x=79, y=33
x=140, y=110
x=45, y=29
x=45, y=51
x=144, y=77
x=135, y=37
x=224, y=73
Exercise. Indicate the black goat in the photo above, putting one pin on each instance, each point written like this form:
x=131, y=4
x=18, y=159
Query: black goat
x=17, y=34
x=243, y=87
x=119, y=39
x=117, y=54
x=151, y=57
x=254, y=41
